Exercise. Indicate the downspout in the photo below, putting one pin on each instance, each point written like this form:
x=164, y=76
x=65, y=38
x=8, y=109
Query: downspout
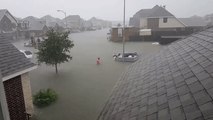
x=3, y=101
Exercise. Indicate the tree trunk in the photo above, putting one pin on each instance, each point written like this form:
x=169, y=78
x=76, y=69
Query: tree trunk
x=56, y=68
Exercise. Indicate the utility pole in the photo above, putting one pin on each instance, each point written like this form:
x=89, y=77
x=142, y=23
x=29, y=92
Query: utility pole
x=124, y=30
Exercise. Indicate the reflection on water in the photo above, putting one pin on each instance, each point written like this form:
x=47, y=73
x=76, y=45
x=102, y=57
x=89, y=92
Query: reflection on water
x=83, y=86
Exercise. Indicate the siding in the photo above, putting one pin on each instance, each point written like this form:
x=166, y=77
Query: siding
x=143, y=23
x=171, y=23
x=27, y=93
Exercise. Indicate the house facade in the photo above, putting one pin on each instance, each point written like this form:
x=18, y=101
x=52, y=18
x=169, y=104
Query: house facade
x=15, y=68
x=156, y=18
x=158, y=24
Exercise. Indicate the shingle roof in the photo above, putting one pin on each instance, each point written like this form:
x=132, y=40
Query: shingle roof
x=11, y=59
x=174, y=84
x=155, y=12
x=158, y=11
x=36, y=25
x=193, y=22
x=2, y=13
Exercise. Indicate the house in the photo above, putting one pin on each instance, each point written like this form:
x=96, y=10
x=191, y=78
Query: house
x=74, y=22
x=16, y=98
x=37, y=28
x=8, y=23
x=174, y=84
x=158, y=24
x=32, y=28
x=155, y=18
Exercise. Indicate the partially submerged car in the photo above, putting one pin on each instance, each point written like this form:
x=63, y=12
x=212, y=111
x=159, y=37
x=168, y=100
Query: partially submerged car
x=128, y=57
x=27, y=53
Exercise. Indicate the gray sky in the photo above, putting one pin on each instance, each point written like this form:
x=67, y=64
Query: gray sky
x=105, y=9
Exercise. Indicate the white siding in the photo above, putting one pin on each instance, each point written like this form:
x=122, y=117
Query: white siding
x=171, y=23
x=27, y=93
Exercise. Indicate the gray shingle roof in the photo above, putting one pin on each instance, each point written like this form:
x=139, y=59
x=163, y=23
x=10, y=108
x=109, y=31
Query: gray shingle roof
x=37, y=25
x=175, y=84
x=156, y=11
x=2, y=13
x=11, y=59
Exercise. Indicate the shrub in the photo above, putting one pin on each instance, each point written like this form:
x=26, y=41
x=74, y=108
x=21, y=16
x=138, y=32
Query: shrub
x=44, y=98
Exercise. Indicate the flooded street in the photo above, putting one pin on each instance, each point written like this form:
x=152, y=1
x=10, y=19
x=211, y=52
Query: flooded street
x=82, y=86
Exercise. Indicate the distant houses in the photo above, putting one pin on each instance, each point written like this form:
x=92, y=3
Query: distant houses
x=158, y=24
x=28, y=27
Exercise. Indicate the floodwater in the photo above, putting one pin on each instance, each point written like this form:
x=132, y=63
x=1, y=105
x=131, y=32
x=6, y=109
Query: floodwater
x=82, y=86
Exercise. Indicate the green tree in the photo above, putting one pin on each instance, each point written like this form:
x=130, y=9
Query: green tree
x=54, y=50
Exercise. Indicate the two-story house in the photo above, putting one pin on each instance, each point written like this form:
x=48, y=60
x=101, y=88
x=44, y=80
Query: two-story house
x=155, y=18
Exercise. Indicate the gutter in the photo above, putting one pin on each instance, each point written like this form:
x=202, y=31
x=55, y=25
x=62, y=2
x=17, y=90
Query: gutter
x=19, y=73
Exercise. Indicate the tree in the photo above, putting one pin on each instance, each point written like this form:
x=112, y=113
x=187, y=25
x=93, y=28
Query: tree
x=54, y=50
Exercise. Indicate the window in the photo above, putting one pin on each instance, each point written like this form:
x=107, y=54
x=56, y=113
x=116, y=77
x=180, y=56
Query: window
x=165, y=20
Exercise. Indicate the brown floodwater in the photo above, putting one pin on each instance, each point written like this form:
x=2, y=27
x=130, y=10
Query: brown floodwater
x=82, y=86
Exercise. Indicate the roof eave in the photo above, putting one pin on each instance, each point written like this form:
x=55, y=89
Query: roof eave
x=5, y=78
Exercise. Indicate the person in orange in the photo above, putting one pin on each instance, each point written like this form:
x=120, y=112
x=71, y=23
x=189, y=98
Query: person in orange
x=98, y=61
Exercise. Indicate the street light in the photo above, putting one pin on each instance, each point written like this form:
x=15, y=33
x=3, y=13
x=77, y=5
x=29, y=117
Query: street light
x=64, y=15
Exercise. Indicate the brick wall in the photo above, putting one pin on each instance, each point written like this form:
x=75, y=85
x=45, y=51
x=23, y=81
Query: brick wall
x=27, y=93
x=15, y=98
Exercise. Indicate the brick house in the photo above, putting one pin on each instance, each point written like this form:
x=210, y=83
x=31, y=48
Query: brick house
x=16, y=92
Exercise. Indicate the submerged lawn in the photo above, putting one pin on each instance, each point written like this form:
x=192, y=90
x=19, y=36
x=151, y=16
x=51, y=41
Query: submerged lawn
x=82, y=86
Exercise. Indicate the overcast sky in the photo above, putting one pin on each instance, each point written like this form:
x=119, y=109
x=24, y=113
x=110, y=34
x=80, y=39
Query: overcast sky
x=105, y=9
